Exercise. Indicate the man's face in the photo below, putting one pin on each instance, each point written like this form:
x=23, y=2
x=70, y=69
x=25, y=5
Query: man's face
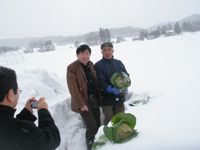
x=14, y=97
x=107, y=52
x=84, y=57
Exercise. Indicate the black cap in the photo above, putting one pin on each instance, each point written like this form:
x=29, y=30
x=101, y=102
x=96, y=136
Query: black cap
x=106, y=44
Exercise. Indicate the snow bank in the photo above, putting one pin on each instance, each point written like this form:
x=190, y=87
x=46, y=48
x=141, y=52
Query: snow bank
x=38, y=83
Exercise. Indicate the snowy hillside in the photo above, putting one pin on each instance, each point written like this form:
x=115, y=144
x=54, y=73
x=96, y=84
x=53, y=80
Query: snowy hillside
x=165, y=68
x=192, y=19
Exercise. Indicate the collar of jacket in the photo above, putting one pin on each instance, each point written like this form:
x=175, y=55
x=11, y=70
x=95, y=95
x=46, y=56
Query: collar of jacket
x=84, y=66
x=108, y=60
x=81, y=65
x=89, y=64
x=6, y=112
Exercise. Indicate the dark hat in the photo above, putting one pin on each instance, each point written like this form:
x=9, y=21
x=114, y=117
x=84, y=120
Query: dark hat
x=106, y=44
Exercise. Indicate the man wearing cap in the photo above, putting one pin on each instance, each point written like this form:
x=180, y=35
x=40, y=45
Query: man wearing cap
x=113, y=99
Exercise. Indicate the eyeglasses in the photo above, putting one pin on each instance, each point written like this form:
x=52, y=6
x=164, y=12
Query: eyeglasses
x=19, y=91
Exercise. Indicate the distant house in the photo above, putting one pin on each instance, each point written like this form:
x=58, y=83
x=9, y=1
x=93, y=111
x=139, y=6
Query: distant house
x=6, y=49
x=48, y=46
x=170, y=33
x=120, y=39
x=136, y=38
x=28, y=50
x=151, y=37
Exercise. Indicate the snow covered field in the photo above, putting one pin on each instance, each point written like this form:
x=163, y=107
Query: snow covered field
x=165, y=68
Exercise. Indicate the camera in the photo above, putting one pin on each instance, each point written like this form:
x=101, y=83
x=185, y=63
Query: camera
x=34, y=104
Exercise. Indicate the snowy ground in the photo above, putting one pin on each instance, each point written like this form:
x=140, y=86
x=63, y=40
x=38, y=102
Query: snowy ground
x=165, y=68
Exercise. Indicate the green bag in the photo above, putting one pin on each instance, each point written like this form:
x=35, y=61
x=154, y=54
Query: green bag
x=120, y=80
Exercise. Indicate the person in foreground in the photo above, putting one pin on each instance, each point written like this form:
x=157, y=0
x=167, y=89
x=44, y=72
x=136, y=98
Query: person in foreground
x=84, y=90
x=21, y=133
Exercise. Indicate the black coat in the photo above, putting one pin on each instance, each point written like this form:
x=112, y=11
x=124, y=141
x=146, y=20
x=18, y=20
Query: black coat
x=21, y=133
x=105, y=69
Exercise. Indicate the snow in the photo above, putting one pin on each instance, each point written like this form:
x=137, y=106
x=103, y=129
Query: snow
x=165, y=68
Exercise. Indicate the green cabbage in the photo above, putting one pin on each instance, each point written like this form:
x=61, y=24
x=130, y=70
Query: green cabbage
x=122, y=128
x=120, y=80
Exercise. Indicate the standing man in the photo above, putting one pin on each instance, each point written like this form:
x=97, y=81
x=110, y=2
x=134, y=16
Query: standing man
x=21, y=133
x=84, y=90
x=113, y=98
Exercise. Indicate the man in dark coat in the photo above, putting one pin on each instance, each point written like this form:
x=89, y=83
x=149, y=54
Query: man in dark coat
x=84, y=90
x=21, y=133
x=113, y=98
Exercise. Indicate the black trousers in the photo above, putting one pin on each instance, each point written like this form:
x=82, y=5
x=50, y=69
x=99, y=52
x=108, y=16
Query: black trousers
x=91, y=120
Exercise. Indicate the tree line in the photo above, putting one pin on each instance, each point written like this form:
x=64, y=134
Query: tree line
x=168, y=30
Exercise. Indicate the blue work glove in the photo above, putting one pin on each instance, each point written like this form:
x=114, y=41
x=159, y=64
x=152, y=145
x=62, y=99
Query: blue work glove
x=113, y=90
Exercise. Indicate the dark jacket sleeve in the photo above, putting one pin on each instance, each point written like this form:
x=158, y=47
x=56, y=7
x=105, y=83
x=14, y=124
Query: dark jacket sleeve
x=44, y=137
x=49, y=132
x=26, y=115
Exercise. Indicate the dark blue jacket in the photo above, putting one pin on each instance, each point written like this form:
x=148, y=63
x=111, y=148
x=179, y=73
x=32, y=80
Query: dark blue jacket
x=105, y=69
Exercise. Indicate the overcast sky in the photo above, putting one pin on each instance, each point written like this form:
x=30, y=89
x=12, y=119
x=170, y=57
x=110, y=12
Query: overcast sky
x=37, y=18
